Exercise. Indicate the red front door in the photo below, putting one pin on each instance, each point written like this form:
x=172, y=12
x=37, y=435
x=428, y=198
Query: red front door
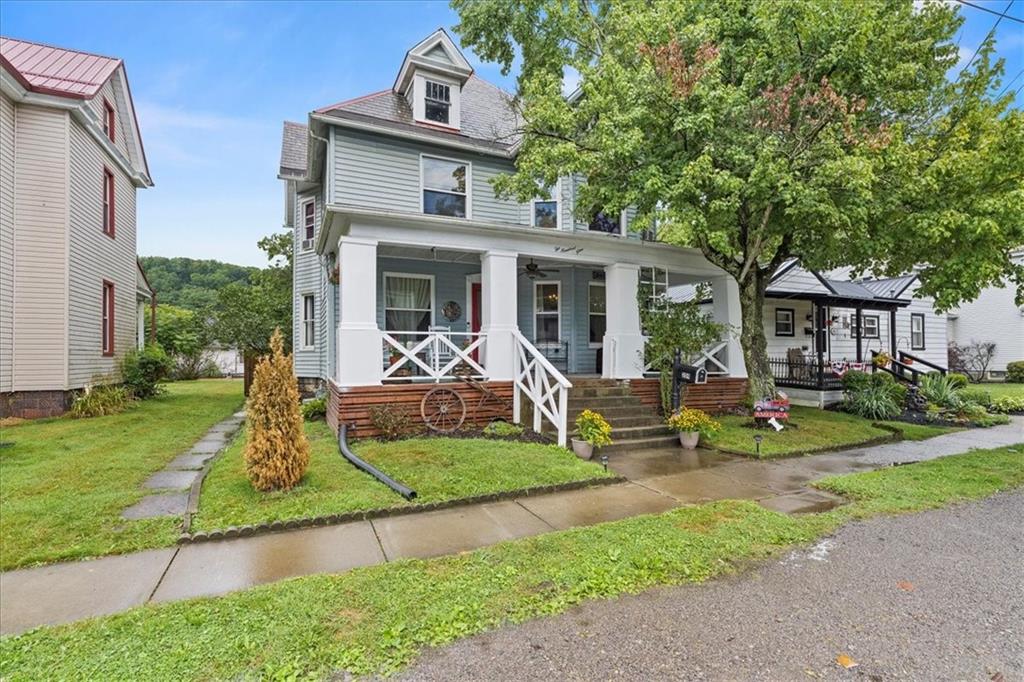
x=474, y=312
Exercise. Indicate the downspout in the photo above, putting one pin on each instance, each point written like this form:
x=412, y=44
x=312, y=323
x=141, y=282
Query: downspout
x=403, y=490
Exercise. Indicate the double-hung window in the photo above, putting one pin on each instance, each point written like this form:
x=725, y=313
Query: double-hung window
x=546, y=308
x=869, y=326
x=308, y=223
x=108, y=202
x=445, y=184
x=437, y=103
x=784, y=322
x=598, y=314
x=545, y=213
x=108, y=120
x=308, y=321
x=605, y=222
x=107, y=316
x=917, y=331
x=653, y=286
x=408, y=302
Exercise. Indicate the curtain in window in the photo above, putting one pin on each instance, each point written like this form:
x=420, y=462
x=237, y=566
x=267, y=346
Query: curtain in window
x=407, y=304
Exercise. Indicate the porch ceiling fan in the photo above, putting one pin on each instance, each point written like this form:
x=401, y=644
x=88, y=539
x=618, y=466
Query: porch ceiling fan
x=533, y=271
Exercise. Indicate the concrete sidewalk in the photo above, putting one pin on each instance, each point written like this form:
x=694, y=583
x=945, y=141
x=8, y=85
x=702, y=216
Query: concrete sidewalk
x=660, y=480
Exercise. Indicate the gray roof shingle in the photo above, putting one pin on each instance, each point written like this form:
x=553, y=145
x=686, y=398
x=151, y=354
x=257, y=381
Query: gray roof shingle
x=293, y=149
x=890, y=287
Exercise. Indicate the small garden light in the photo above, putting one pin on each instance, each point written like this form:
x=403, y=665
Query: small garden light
x=757, y=440
x=604, y=462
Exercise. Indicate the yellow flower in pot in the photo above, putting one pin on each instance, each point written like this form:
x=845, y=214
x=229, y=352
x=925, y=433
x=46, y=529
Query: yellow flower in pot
x=691, y=424
x=593, y=431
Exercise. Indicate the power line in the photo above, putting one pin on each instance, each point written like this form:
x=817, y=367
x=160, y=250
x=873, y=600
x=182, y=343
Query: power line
x=990, y=11
x=991, y=32
x=1007, y=86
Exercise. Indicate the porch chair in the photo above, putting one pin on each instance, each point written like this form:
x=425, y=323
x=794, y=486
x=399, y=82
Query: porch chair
x=440, y=352
x=799, y=368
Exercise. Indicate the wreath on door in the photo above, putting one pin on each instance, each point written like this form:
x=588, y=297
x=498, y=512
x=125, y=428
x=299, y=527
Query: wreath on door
x=451, y=311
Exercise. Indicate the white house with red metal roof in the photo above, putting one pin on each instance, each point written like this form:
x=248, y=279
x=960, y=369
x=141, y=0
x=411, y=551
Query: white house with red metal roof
x=71, y=160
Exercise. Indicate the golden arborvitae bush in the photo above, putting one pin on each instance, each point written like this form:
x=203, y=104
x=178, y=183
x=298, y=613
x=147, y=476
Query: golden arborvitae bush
x=276, y=449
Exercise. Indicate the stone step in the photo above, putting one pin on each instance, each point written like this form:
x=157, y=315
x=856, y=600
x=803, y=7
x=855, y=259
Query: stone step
x=598, y=391
x=664, y=441
x=633, y=433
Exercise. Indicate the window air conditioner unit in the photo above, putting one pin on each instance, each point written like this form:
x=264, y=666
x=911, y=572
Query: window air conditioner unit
x=307, y=244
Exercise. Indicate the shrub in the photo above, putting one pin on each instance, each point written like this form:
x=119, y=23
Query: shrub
x=96, y=402
x=314, y=409
x=500, y=429
x=593, y=428
x=940, y=390
x=142, y=371
x=855, y=381
x=1015, y=372
x=978, y=396
x=276, y=451
x=876, y=401
x=1007, y=403
x=689, y=419
x=959, y=380
x=391, y=422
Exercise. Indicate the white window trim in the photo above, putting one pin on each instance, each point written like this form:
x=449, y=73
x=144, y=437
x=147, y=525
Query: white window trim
x=924, y=340
x=384, y=301
x=864, y=327
x=590, y=288
x=558, y=213
x=655, y=283
x=417, y=95
x=427, y=82
x=469, y=185
x=302, y=222
x=535, y=312
x=623, y=224
x=792, y=323
x=303, y=321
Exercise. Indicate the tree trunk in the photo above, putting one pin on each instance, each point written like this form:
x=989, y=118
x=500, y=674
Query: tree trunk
x=761, y=383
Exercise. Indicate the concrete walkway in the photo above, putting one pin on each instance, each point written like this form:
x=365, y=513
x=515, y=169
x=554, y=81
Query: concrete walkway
x=659, y=480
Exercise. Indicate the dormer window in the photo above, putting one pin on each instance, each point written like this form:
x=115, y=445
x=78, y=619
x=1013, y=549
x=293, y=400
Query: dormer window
x=437, y=103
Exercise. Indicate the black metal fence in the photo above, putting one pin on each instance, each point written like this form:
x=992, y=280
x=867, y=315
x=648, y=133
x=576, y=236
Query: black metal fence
x=804, y=373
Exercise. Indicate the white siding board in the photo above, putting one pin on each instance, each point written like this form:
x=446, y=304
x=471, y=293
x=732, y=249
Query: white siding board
x=308, y=278
x=7, y=124
x=40, y=246
x=95, y=257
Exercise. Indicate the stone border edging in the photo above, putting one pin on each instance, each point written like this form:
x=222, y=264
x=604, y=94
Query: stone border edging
x=187, y=537
x=895, y=436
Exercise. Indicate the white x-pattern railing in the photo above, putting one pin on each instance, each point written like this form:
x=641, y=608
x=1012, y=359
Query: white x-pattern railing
x=706, y=358
x=545, y=386
x=434, y=353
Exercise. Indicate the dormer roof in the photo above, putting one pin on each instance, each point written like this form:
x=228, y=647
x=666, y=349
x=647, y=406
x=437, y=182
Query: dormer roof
x=437, y=53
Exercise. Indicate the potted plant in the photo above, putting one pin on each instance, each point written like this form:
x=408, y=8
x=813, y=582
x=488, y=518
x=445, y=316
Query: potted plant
x=593, y=432
x=882, y=360
x=691, y=424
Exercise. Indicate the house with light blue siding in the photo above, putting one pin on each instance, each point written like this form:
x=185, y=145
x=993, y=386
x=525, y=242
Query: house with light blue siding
x=411, y=274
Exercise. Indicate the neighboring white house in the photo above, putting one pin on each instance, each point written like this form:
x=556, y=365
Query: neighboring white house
x=71, y=160
x=992, y=317
x=409, y=270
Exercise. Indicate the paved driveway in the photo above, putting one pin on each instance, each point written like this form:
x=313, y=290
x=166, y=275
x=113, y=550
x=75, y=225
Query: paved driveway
x=930, y=596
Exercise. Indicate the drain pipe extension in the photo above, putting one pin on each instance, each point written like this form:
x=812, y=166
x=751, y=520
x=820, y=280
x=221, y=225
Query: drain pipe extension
x=404, y=491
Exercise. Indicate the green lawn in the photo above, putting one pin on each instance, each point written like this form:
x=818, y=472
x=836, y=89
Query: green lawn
x=65, y=482
x=437, y=469
x=378, y=619
x=998, y=390
x=919, y=431
x=815, y=430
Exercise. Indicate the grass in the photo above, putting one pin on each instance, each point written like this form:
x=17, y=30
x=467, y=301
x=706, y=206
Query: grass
x=998, y=390
x=919, y=431
x=378, y=619
x=438, y=469
x=65, y=482
x=815, y=430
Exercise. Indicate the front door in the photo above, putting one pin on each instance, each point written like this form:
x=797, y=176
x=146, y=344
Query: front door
x=474, y=312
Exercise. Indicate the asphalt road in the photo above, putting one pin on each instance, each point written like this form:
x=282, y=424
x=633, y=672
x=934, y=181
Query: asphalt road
x=930, y=596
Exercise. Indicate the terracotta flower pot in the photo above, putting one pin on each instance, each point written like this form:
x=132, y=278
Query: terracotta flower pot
x=582, y=448
x=689, y=439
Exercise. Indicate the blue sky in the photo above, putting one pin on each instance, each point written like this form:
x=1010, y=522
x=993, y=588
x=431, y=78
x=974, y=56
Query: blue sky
x=213, y=81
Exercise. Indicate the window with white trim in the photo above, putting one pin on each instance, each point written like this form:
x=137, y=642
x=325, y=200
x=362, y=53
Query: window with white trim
x=108, y=203
x=107, y=315
x=445, y=185
x=545, y=213
x=108, y=120
x=308, y=321
x=605, y=222
x=408, y=302
x=308, y=221
x=597, y=311
x=917, y=331
x=547, y=312
x=784, y=322
x=437, y=102
x=653, y=286
x=870, y=326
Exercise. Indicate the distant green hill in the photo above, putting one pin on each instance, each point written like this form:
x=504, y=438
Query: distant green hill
x=191, y=283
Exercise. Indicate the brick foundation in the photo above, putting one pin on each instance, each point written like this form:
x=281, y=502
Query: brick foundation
x=35, y=404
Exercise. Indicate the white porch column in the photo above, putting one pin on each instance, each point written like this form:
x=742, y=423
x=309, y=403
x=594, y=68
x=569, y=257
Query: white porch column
x=725, y=294
x=623, y=356
x=360, y=349
x=498, y=318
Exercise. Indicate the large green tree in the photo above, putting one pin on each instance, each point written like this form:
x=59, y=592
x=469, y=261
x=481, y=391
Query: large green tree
x=763, y=130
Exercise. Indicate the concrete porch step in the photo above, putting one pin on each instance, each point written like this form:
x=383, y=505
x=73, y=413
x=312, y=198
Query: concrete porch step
x=651, y=442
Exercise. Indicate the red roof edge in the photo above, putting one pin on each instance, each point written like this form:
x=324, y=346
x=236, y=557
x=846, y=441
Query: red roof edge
x=10, y=68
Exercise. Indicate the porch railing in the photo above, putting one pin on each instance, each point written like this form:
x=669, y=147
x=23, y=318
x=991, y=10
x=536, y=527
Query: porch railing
x=709, y=359
x=543, y=385
x=804, y=373
x=432, y=356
